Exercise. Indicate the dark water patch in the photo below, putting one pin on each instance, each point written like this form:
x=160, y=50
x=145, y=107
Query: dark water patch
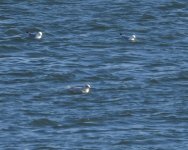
x=183, y=75
x=12, y=32
x=59, y=77
x=99, y=26
x=172, y=5
x=168, y=77
x=147, y=17
x=39, y=147
x=21, y=73
x=8, y=49
x=43, y=122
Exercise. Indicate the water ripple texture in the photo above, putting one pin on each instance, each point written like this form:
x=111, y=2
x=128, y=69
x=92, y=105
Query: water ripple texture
x=139, y=89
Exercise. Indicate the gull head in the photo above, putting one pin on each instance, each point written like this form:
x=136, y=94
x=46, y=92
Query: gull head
x=87, y=86
x=38, y=35
x=86, y=89
x=132, y=38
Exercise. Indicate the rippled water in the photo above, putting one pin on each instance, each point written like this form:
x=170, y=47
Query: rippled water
x=139, y=89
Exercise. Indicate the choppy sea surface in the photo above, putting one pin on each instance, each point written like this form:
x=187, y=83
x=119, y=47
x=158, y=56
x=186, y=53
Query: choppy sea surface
x=139, y=94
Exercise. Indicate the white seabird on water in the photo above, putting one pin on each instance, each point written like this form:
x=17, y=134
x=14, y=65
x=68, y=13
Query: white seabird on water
x=80, y=89
x=35, y=35
x=132, y=38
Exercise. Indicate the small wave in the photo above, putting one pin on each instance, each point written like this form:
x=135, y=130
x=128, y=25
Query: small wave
x=183, y=75
x=8, y=49
x=173, y=5
x=59, y=77
x=147, y=16
x=44, y=122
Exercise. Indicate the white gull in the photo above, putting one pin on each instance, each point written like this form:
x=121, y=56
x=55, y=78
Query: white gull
x=80, y=89
x=35, y=35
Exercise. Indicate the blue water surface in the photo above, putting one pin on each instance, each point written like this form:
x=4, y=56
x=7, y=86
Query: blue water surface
x=138, y=99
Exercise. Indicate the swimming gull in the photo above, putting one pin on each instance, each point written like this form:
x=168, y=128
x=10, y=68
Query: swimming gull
x=132, y=38
x=35, y=35
x=80, y=89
